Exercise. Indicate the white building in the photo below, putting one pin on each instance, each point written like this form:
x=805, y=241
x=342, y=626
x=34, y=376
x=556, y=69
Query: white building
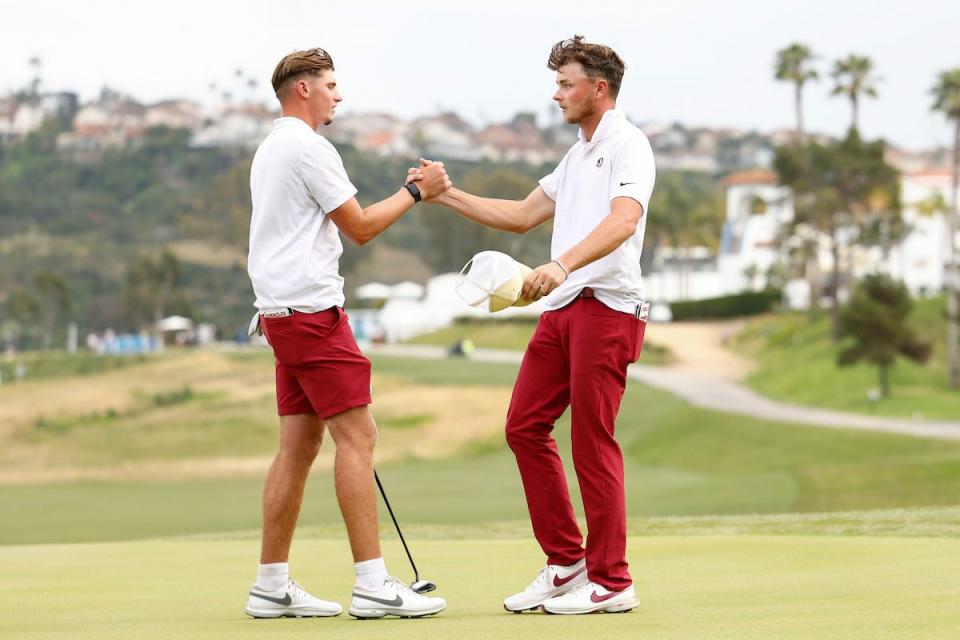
x=757, y=210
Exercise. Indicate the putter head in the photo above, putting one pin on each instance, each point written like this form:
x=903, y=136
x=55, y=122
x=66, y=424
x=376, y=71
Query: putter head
x=423, y=586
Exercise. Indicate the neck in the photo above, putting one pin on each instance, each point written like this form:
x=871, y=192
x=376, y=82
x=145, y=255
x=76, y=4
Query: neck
x=589, y=125
x=292, y=111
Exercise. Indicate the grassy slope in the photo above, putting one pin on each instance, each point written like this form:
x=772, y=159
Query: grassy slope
x=797, y=363
x=680, y=461
x=513, y=335
x=714, y=587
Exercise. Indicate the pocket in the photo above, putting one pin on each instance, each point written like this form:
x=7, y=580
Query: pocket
x=637, y=332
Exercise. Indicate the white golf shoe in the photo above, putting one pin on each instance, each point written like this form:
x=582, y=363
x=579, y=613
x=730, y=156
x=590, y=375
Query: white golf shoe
x=592, y=598
x=552, y=581
x=291, y=601
x=394, y=598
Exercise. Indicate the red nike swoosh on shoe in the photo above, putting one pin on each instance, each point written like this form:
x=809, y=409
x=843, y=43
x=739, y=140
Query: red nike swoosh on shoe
x=596, y=598
x=559, y=582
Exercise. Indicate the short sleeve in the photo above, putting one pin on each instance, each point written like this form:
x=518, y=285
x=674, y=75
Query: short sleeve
x=325, y=177
x=551, y=184
x=634, y=171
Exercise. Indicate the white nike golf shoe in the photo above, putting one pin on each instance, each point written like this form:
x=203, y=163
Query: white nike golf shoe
x=394, y=598
x=291, y=601
x=553, y=580
x=591, y=598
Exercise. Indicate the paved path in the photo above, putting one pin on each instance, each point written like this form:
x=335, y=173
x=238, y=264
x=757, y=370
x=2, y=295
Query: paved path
x=712, y=392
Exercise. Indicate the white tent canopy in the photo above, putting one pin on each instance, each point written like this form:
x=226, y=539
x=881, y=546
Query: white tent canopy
x=373, y=291
x=175, y=323
x=406, y=289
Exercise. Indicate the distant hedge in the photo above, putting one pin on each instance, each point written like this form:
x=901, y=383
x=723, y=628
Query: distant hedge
x=741, y=304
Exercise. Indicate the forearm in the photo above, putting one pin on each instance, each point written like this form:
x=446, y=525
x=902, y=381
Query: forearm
x=603, y=240
x=506, y=215
x=379, y=216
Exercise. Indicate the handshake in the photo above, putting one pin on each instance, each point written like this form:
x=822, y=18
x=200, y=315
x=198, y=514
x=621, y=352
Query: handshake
x=430, y=178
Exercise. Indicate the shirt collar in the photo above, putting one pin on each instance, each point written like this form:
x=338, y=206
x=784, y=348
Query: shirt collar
x=608, y=123
x=290, y=121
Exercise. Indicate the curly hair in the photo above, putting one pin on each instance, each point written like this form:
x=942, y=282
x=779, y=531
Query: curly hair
x=312, y=61
x=597, y=60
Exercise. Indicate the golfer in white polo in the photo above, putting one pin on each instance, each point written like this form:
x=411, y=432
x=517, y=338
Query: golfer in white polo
x=593, y=327
x=302, y=201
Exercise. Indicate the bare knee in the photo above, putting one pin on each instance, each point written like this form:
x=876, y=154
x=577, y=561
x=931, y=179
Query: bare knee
x=354, y=430
x=300, y=438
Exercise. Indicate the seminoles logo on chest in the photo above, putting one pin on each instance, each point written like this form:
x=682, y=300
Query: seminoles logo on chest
x=600, y=162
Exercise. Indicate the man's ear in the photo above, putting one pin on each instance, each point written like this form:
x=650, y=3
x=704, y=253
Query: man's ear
x=602, y=88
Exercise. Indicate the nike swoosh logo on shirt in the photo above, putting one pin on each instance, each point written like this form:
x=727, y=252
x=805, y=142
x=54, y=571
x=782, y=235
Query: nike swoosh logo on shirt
x=285, y=600
x=396, y=602
x=623, y=184
x=598, y=598
x=559, y=582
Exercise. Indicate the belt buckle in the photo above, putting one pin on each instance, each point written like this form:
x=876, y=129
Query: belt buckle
x=277, y=313
x=587, y=292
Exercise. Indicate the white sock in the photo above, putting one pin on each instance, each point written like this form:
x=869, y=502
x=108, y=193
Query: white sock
x=273, y=576
x=371, y=574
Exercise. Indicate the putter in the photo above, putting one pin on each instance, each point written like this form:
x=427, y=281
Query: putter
x=418, y=585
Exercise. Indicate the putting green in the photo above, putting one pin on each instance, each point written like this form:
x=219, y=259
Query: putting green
x=699, y=587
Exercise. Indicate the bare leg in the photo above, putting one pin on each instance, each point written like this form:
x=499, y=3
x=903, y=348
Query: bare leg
x=300, y=438
x=355, y=433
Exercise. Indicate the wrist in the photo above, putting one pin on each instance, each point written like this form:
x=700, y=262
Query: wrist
x=566, y=272
x=414, y=191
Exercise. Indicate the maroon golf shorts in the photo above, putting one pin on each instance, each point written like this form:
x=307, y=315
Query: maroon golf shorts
x=320, y=368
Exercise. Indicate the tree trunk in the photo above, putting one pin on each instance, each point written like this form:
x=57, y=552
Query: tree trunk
x=884, y=371
x=799, y=106
x=856, y=112
x=835, y=282
x=953, y=278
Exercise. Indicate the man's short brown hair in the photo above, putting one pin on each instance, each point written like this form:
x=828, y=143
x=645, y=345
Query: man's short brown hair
x=597, y=60
x=311, y=61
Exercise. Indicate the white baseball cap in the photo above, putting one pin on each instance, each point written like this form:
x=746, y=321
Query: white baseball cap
x=494, y=278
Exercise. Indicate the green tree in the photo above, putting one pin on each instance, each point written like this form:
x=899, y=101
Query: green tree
x=837, y=188
x=150, y=286
x=456, y=239
x=687, y=212
x=25, y=312
x=876, y=319
x=793, y=64
x=54, y=299
x=946, y=95
x=854, y=77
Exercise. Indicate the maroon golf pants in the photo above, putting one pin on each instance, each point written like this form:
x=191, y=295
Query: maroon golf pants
x=577, y=357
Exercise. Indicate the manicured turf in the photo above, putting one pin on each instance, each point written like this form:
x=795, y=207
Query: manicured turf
x=797, y=363
x=704, y=587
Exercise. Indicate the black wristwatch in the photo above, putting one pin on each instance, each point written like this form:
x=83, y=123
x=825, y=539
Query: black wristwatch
x=414, y=191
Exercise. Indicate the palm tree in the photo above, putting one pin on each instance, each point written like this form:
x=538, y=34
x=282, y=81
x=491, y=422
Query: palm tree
x=946, y=95
x=854, y=78
x=793, y=65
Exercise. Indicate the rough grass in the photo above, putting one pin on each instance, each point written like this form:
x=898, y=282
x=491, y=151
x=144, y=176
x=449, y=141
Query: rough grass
x=796, y=361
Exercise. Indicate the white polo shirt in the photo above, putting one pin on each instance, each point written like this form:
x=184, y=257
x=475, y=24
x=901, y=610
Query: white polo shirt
x=296, y=179
x=616, y=162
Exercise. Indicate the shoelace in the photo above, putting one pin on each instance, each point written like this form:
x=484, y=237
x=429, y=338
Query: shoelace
x=404, y=588
x=540, y=579
x=295, y=587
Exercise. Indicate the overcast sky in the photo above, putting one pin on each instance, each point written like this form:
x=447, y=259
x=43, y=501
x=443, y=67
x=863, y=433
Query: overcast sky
x=699, y=62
